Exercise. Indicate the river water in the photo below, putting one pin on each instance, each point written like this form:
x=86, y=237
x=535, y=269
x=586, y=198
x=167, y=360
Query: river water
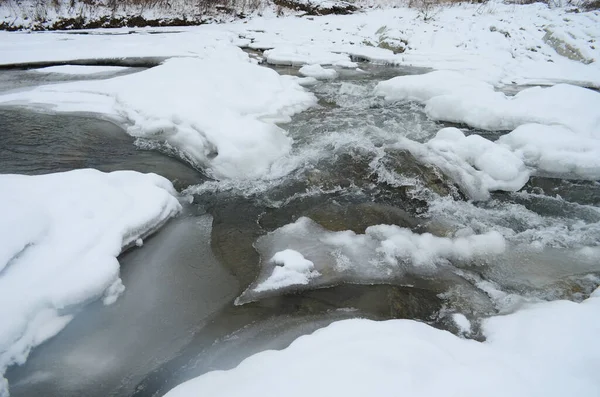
x=177, y=318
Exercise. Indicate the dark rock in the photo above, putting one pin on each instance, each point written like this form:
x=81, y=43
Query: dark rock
x=310, y=8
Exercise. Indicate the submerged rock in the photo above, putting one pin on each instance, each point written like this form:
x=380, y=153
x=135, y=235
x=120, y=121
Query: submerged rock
x=403, y=163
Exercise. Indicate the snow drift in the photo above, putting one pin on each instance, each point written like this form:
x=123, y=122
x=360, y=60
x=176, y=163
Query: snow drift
x=547, y=349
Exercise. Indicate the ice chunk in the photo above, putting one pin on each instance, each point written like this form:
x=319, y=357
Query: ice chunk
x=291, y=269
x=312, y=255
x=61, y=234
x=549, y=349
x=318, y=72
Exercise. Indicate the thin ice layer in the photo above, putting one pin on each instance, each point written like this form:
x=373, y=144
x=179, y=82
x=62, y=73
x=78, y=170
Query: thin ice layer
x=219, y=113
x=549, y=349
x=61, y=236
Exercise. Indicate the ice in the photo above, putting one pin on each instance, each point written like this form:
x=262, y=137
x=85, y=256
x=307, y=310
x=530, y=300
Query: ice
x=219, y=113
x=318, y=72
x=61, y=235
x=80, y=70
x=547, y=349
x=313, y=255
x=291, y=269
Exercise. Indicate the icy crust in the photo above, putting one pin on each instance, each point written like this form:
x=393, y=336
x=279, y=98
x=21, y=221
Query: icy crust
x=80, y=70
x=548, y=349
x=61, y=237
x=312, y=255
x=556, y=130
x=219, y=113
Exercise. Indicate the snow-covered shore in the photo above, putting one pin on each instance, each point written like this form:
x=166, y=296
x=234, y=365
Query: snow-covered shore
x=61, y=235
x=547, y=349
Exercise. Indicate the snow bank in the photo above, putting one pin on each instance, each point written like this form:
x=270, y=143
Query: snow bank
x=291, y=269
x=556, y=129
x=423, y=87
x=218, y=113
x=545, y=350
x=61, y=234
x=80, y=70
x=451, y=96
x=318, y=72
x=313, y=255
x=307, y=55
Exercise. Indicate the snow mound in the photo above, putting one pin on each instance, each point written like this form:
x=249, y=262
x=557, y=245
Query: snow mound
x=451, y=96
x=477, y=164
x=423, y=87
x=80, y=70
x=556, y=150
x=556, y=129
x=313, y=255
x=291, y=269
x=306, y=55
x=548, y=349
x=217, y=113
x=318, y=72
x=61, y=236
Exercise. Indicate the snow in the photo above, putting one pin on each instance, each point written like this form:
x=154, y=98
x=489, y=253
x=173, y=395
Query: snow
x=556, y=150
x=548, y=349
x=477, y=164
x=291, y=269
x=61, y=236
x=313, y=255
x=311, y=55
x=318, y=72
x=423, y=87
x=463, y=324
x=218, y=113
x=79, y=70
x=556, y=129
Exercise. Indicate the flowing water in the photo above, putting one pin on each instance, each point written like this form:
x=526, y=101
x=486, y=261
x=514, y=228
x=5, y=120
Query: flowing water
x=178, y=317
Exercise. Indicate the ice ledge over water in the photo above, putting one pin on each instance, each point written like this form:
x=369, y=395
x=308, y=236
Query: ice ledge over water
x=61, y=235
x=217, y=111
